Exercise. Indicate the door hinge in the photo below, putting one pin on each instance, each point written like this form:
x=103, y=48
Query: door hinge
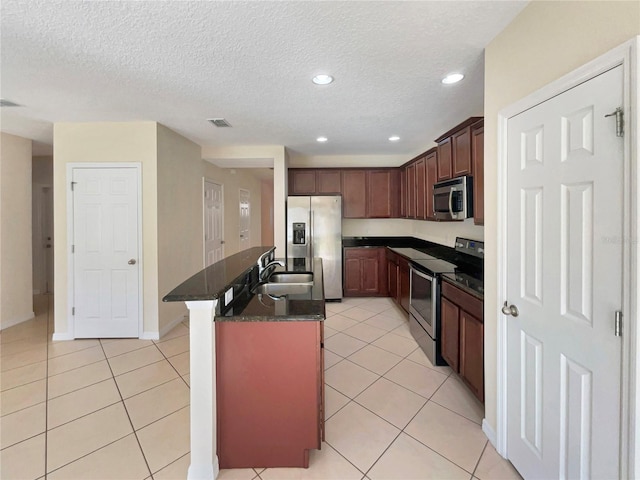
x=73, y=249
x=73, y=186
x=73, y=311
x=619, y=114
x=618, y=324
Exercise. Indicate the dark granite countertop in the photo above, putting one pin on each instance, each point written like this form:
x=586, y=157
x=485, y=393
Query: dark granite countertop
x=305, y=302
x=213, y=281
x=417, y=250
x=467, y=283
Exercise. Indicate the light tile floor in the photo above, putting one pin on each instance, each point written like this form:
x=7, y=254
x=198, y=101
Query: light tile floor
x=119, y=409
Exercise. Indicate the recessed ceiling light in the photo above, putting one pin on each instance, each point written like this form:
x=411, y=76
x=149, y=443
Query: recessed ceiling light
x=394, y=138
x=322, y=139
x=322, y=79
x=452, y=78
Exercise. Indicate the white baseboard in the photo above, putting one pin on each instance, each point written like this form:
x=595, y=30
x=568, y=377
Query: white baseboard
x=172, y=324
x=150, y=336
x=62, y=336
x=17, y=320
x=489, y=432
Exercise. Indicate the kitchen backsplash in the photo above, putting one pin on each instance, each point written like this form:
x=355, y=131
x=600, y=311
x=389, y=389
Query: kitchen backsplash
x=443, y=233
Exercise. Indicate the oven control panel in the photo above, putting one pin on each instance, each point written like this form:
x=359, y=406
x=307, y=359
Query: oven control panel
x=470, y=247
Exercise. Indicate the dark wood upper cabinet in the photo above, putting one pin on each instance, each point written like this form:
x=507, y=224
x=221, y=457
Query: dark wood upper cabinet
x=302, y=182
x=403, y=192
x=444, y=159
x=354, y=193
x=382, y=193
x=431, y=161
x=477, y=158
x=411, y=191
x=421, y=189
x=461, y=148
x=454, y=150
x=329, y=182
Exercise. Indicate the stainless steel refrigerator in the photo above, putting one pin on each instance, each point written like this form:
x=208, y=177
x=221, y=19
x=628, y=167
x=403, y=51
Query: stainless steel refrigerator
x=314, y=229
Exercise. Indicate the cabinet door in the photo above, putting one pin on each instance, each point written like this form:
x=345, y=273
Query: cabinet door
x=352, y=275
x=461, y=147
x=477, y=157
x=421, y=189
x=302, y=182
x=329, y=181
x=381, y=189
x=449, y=333
x=431, y=177
x=392, y=274
x=444, y=159
x=405, y=289
x=411, y=191
x=472, y=353
x=354, y=193
x=370, y=273
x=403, y=193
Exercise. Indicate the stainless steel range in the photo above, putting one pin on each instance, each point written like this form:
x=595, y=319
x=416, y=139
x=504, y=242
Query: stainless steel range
x=424, y=310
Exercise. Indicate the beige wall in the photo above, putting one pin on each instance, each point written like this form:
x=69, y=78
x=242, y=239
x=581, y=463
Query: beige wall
x=275, y=156
x=16, y=284
x=546, y=41
x=232, y=181
x=110, y=143
x=180, y=219
x=266, y=213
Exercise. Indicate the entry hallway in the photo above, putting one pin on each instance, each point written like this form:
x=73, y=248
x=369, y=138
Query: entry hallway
x=119, y=409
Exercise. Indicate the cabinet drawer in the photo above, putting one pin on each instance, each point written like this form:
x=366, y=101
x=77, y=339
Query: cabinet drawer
x=465, y=301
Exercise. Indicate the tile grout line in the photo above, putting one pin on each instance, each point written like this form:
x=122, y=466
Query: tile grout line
x=473, y=474
x=46, y=395
x=176, y=370
x=135, y=433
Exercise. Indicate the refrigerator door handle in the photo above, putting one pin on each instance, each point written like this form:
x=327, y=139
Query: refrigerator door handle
x=312, y=236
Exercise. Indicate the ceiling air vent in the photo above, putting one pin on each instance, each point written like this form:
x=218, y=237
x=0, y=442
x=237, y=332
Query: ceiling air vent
x=219, y=122
x=7, y=103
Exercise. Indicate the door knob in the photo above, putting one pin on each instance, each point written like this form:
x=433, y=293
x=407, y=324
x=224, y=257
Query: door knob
x=510, y=310
x=132, y=261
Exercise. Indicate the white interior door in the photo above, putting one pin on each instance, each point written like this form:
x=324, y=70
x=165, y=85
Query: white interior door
x=47, y=194
x=42, y=239
x=245, y=219
x=213, y=223
x=564, y=275
x=105, y=252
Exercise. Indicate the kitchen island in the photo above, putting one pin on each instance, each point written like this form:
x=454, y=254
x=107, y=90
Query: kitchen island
x=257, y=395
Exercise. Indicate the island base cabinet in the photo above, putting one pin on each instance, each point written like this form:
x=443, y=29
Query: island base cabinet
x=269, y=393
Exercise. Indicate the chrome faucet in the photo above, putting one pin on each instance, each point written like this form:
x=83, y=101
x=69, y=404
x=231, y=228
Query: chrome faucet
x=262, y=273
x=266, y=256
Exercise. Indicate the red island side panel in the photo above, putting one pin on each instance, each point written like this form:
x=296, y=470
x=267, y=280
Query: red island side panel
x=269, y=393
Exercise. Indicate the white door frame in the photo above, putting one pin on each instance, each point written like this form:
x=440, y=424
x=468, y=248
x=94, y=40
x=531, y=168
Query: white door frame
x=628, y=56
x=204, y=211
x=70, y=228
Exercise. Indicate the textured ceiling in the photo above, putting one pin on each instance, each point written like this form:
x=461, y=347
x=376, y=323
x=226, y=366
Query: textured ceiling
x=180, y=62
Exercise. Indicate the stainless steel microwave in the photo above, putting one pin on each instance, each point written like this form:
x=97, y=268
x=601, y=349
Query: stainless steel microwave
x=453, y=199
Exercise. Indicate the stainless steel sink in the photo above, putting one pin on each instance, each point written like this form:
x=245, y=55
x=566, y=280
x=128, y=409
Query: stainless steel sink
x=281, y=289
x=295, y=278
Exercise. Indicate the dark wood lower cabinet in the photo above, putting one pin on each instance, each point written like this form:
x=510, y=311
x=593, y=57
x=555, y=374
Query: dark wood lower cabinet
x=450, y=333
x=472, y=353
x=404, y=283
x=462, y=336
x=365, y=272
x=270, y=397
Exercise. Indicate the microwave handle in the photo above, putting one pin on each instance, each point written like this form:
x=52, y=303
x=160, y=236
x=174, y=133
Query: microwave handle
x=451, y=202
